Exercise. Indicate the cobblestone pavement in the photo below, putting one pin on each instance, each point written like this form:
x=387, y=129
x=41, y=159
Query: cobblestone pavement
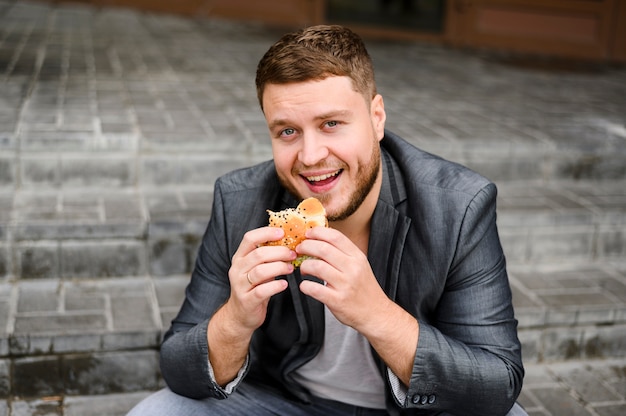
x=114, y=125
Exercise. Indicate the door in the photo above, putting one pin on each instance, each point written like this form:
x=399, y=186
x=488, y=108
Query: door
x=572, y=28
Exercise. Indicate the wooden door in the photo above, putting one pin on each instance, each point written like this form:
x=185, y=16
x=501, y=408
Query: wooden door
x=573, y=28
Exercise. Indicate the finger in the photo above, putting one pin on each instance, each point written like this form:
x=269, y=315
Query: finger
x=317, y=291
x=266, y=272
x=266, y=290
x=269, y=254
x=249, y=254
x=339, y=258
x=253, y=238
x=321, y=269
x=334, y=238
x=330, y=235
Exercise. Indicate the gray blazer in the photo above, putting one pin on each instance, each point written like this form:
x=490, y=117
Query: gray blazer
x=435, y=250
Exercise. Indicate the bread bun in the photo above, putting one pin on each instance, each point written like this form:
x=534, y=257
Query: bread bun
x=295, y=221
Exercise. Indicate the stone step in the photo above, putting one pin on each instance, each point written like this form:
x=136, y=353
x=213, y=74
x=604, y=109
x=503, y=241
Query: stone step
x=502, y=159
x=100, y=336
x=81, y=234
x=203, y=161
x=565, y=221
x=585, y=388
x=570, y=311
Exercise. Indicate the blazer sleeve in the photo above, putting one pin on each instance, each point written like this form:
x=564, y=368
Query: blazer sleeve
x=184, y=351
x=468, y=359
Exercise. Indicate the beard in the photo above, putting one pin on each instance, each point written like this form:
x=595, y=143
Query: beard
x=366, y=175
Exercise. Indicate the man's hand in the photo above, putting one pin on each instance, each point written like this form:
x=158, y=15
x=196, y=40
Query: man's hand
x=252, y=283
x=351, y=290
x=352, y=293
x=252, y=276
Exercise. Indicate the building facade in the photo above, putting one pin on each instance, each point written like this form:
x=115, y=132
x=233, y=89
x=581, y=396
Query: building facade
x=580, y=29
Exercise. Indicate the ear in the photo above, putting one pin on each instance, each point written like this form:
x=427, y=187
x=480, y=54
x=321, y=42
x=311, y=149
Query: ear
x=378, y=115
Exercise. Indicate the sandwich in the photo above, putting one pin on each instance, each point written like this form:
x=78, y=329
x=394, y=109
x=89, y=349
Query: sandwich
x=295, y=221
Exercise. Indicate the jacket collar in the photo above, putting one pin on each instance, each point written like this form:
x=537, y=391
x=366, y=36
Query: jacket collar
x=389, y=227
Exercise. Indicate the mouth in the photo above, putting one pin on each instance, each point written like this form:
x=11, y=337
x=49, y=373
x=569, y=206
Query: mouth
x=323, y=180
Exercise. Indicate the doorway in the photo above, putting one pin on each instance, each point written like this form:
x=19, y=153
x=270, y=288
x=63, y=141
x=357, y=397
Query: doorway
x=412, y=15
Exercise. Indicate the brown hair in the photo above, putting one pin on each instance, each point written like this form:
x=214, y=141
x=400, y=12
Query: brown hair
x=316, y=53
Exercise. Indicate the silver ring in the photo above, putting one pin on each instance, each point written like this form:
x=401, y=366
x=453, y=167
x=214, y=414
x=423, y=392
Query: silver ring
x=248, y=278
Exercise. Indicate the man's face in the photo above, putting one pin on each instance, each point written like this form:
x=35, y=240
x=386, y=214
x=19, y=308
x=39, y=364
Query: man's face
x=325, y=141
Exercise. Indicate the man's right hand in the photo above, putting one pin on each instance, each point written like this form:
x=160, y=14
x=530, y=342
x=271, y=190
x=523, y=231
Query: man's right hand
x=252, y=283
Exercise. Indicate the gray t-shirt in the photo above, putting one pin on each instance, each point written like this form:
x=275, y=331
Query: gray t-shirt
x=344, y=370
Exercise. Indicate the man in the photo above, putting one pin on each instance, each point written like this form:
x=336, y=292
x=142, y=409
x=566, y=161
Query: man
x=405, y=307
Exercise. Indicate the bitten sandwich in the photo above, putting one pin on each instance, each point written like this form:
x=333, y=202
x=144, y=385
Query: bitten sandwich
x=295, y=221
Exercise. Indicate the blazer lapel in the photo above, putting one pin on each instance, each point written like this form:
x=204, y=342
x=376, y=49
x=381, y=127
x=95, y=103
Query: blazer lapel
x=389, y=229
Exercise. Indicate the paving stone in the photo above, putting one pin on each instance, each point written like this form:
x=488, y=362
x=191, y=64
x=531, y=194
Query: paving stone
x=585, y=388
x=7, y=171
x=610, y=410
x=40, y=407
x=611, y=242
x=604, y=341
x=172, y=255
x=170, y=292
x=37, y=376
x=67, y=215
x=113, y=372
x=102, y=405
x=6, y=317
x=40, y=171
x=60, y=322
x=85, y=374
x=128, y=340
x=588, y=387
x=37, y=297
x=36, y=260
x=557, y=401
x=189, y=169
x=103, y=259
x=111, y=171
x=5, y=376
x=5, y=259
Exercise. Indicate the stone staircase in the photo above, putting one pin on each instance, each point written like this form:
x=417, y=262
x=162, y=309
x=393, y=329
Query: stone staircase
x=115, y=124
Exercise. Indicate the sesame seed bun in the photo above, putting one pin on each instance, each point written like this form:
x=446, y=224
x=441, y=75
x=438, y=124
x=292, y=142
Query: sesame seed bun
x=295, y=221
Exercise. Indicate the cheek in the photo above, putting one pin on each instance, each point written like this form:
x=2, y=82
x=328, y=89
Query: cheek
x=283, y=161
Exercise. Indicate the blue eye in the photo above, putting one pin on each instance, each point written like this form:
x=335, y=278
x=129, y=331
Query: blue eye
x=288, y=132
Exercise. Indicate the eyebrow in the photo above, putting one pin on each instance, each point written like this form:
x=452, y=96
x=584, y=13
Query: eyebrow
x=325, y=116
x=334, y=114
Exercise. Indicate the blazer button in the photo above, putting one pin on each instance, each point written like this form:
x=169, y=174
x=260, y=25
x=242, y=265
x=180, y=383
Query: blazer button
x=431, y=399
x=424, y=399
x=416, y=399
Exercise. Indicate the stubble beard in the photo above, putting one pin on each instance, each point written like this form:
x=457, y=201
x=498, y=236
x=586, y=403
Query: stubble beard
x=365, y=180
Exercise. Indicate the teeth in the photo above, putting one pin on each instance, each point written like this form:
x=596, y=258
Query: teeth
x=321, y=177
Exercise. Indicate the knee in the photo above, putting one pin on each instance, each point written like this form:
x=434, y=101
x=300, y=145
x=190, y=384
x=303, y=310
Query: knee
x=159, y=403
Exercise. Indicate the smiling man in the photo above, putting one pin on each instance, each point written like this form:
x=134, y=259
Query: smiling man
x=325, y=140
x=404, y=306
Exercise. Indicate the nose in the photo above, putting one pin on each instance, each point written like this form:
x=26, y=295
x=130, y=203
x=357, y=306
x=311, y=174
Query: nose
x=313, y=149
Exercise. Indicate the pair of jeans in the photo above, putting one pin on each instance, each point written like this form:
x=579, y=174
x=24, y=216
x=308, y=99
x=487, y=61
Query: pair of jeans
x=249, y=399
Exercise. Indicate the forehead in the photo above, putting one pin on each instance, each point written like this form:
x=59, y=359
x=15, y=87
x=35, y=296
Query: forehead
x=310, y=95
